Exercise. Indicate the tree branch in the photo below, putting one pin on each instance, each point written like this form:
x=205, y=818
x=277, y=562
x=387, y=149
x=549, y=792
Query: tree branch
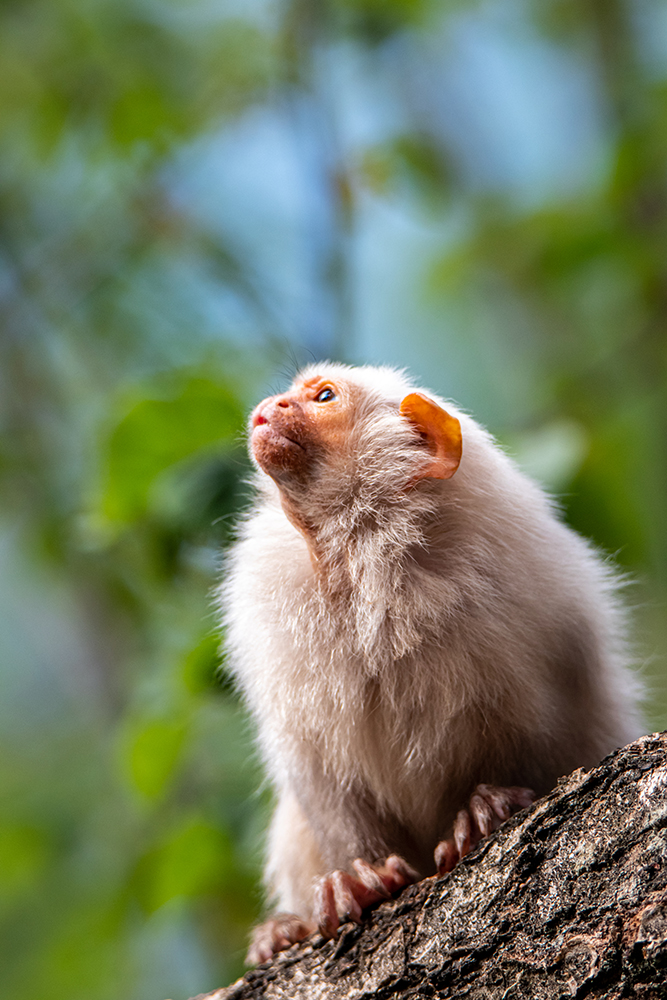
x=567, y=899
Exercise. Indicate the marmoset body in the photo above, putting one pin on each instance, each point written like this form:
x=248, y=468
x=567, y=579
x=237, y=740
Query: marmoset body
x=407, y=617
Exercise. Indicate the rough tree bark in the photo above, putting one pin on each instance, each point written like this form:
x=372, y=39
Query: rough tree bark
x=567, y=899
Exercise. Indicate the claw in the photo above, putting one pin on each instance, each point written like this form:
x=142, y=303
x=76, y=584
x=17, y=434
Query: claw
x=347, y=905
x=326, y=915
x=371, y=878
x=489, y=806
x=482, y=814
x=497, y=799
x=280, y=932
x=446, y=856
x=462, y=831
x=340, y=896
x=397, y=873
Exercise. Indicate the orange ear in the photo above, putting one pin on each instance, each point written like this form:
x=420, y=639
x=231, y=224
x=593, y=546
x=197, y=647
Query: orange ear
x=442, y=431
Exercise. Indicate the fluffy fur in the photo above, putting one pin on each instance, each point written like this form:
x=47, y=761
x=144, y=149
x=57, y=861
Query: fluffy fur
x=453, y=633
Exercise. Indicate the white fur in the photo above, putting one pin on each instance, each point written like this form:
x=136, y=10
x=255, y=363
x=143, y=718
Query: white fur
x=456, y=632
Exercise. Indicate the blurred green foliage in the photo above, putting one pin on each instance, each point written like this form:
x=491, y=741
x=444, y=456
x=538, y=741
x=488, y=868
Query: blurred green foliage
x=192, y=195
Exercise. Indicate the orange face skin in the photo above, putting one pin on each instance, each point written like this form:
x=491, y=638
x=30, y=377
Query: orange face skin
x=292, y=432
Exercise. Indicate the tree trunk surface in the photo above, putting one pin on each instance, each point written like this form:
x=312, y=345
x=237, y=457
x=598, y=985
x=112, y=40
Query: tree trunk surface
x=566, y=899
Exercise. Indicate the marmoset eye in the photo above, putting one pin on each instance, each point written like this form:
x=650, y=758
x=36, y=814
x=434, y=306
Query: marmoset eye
x=325, y=395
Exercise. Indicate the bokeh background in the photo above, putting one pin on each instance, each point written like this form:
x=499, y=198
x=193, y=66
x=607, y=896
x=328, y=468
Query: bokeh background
x=196, y=196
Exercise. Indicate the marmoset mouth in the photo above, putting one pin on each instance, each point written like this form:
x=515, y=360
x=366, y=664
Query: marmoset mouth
x=275, y=432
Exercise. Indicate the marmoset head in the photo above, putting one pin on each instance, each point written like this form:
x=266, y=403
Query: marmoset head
x=320, y=420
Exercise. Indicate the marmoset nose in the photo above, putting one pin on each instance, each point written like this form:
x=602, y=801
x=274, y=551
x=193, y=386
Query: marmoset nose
x=284, y=402
x=262, y=414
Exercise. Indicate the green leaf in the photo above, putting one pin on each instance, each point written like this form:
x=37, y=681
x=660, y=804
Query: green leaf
x=157, y=434
x=201, y=667
x=153, y=752
x=194, y=858
x=23, y=855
